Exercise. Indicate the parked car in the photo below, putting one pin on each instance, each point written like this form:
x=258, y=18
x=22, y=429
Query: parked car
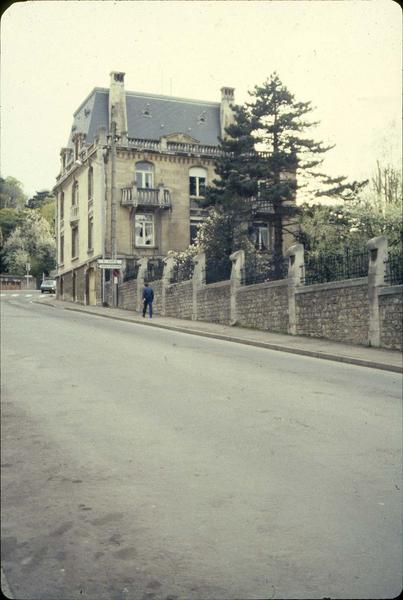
x=48, y=285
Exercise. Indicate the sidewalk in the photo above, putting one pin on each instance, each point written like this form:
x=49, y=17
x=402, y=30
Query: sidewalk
x=376, y=358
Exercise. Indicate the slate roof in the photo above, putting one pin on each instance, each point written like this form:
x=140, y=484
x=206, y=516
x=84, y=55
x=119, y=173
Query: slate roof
x=166, y=115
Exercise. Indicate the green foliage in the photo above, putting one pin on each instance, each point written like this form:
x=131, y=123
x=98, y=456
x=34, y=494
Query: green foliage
x=10, y=218
x=30, y=242
x=40, y=199
x=47, y=211
x=376, y=211
x=11, y=193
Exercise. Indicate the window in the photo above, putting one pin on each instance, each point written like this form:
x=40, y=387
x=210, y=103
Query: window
x=261, y=237
x=61, y=257
x=144, y=230
x=197, y=181
x=62, y=205
x=194, y=228
x=90, y=182
x=74, y=194
x=74, y=242
x=144, y=175
x=90, y=232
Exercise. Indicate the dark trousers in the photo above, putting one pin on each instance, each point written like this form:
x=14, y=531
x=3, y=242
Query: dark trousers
x=148, y=303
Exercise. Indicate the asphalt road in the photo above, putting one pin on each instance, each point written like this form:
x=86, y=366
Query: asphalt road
x=146, y=464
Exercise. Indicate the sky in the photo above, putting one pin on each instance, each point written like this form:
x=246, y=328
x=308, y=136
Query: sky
x=344, y=56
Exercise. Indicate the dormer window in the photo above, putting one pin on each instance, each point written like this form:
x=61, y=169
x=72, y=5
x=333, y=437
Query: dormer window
x=147, y=110
x=144, y=175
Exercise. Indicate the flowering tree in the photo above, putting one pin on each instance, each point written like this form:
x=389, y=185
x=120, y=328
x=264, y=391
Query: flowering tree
x=30, y=242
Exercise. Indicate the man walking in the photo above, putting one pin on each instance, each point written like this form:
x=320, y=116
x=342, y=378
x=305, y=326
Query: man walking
x=148, y=297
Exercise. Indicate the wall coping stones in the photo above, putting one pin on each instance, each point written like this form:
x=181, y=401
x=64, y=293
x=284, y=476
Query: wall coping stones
x=392, y=289
x=331, y=285
x=217, y=284
x=263, y=285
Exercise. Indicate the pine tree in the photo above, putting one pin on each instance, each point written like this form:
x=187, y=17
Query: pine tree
x=268, y=156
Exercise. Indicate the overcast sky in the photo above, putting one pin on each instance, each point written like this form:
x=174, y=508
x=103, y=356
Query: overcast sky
x=344, y=56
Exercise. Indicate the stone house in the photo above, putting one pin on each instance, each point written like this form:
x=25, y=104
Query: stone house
x=131, y=179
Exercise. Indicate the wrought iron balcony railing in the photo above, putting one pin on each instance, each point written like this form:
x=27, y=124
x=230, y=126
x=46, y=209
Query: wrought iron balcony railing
x=148, y=197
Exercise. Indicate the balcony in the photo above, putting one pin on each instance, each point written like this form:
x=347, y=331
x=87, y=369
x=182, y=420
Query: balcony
x=262, y=207
x=74, y=213
x=146, y=197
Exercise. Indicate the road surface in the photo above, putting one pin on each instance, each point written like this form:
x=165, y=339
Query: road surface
x=146, y=464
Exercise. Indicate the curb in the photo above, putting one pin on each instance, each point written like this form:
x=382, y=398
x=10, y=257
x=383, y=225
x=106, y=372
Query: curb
x=5, y=587
x=267, y=345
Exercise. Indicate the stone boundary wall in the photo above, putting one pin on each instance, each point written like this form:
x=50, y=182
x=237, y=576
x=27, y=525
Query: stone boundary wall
x=363, y=311
x=213, y=303
x=391, y=317
x=128, y=295
x=336, y=311
x=157, y=304
x=179, y=300
x=263, y=306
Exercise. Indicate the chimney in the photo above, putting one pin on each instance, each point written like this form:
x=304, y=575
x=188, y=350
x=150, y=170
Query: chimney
x=226, y=114
x=117, y=102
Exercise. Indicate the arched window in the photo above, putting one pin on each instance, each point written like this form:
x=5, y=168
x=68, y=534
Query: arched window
x=90, y=182
x=144, y=175
x=197, y=181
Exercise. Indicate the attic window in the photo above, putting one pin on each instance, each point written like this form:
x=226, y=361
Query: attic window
x=202, y=117
x=87, y=112
x=147, y=110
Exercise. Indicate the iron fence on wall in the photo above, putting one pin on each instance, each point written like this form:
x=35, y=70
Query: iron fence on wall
x=257, y=269
x=323, y=267
x=131, y=271
x=218, y=270
x=394, y=269
x=182, y=272
x=155, y=269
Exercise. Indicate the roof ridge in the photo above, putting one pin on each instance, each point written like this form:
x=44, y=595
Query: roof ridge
x=168, y=98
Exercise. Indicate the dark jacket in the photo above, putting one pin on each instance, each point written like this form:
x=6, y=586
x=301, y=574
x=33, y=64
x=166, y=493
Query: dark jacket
x=148, y=294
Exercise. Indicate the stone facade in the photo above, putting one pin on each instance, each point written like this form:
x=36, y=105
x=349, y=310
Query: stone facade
x=336, y=311
x=263, y=306
x=391, y=317
x=179, y=300
x=135, y=163
x=213, y=303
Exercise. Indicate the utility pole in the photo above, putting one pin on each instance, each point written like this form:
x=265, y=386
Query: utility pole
x=113, y=205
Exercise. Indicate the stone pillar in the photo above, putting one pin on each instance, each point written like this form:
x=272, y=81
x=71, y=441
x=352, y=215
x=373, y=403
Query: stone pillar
x=169, y=263
x=295, y=256
x=238, y=265
x=140, y=281
x=198, y=280
x=378, y=254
